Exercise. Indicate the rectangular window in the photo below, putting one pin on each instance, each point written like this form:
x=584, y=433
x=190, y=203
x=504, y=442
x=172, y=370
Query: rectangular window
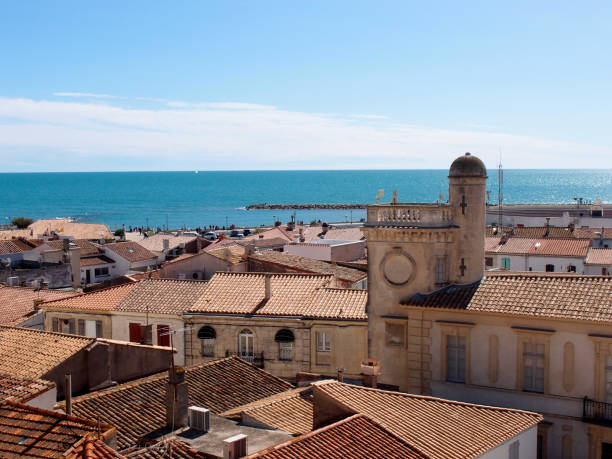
x=135, y=333
x=513, y=451
x=506, y=263
x=323, y=342
x=90, y=328
x=489, y=261
x=101, y=272
x=82, y=327
x=455, y=358
x=533, y=367
x=208, y=347
x=163, y=336
x=285, y=349
x=55, y=324
x=609, y=378
x=394, y=334
x=550, y=268
x=441, y=272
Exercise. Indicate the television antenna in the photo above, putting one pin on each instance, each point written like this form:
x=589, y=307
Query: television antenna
x=500, y=193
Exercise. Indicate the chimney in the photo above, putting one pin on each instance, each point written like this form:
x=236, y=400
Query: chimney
x=250, y=248
x=268, y=280
x=176, y=398
x=547, y=227
x=235, y=447
x=166, y=245
x=302, y=238
x=37, y=302
x=324, y=228
x=68, y=393
x=370, y=370
x=340, y=374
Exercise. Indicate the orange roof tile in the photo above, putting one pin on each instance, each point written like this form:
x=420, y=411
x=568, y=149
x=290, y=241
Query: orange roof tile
x=91, y=447
x=566, y=296
x=162, y=296
x=35, y=433
x=87, y=248
x=32, y=353
x=599, y=257
x=22, y=390
x=307, y=265
x=355, y=437
x=291, y=411
x=91, y=231
x=95, y=261
x=137, y=408
x=105, y=299
x=540, y=247
x=232, y=253
x=167, y=449
x=435, y=427
x=155, y=243
x=18, y=302
x=7, y=247
x=131, y=251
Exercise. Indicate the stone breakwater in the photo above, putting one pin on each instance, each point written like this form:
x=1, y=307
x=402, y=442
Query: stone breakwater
x=304, y=206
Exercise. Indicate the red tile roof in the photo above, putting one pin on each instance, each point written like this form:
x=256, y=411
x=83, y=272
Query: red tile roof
x=131, y=251
x=105, y=299
x=599, y=257
x=91, y=447
x=87, y=248
x=355, y=437
x=435, y=427
x=451, y=297
x=7, y=247
x=539, y=247
x=18, y=302
x=34, y=433
x=22, y=389
x=137, y=408
x=167, y=449
x=95, y=261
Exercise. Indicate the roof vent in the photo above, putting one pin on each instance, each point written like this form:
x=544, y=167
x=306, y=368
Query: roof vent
x=199, y=419
x=235, y=447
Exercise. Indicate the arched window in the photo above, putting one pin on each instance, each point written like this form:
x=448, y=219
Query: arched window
x=246, y=350
x=285, y=339
x=207, y=334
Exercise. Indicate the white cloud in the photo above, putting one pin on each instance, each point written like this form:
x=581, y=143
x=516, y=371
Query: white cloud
x=88, y=135
x=84, y=95
x=370, y=117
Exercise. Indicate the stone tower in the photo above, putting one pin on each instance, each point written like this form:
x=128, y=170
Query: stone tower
x=418, y=249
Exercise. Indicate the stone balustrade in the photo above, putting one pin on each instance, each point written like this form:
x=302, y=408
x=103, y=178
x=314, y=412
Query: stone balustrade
x=409, y=215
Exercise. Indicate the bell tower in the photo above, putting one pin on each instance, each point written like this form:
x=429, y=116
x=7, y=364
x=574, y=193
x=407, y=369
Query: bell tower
x=418, y=249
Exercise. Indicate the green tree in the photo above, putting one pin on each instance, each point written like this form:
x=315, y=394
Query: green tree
x=22, y=222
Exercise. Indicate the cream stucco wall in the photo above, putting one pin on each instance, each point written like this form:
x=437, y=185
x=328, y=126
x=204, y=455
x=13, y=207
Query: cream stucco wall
x=76, y=315
x=348, y=343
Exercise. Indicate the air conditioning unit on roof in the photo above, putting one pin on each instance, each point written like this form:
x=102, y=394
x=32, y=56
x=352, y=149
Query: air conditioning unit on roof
x=199, y=418
x=235, y=447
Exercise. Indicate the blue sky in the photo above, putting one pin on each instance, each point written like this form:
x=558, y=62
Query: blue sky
x=303, y=85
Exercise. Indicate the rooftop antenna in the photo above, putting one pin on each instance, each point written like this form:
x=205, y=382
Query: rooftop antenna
x=500, y=193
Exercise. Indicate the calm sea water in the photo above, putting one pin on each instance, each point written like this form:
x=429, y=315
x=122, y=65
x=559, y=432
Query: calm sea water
x=190, y=199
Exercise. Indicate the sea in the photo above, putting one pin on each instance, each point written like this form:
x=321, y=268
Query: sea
x=199, y=198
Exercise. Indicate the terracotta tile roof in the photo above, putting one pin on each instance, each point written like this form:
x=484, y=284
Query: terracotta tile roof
x=291, y=411
x=307, y=265
x=599, y=257
x=324, y=303
x=134, y=277
x=95, y=261
x=91, y=447
x=33, y=353
x=345, y=234
x=272, y=233
x=131, y=251
x=167, y=449
x=87, y=248
x=105, y=299
x=7, y=247
x=535, y=232
x=162, y=296
x=137, y=408
x=13, y=234
x=32, y=432
x=567, y=296
x=22, y=390
x=90, y=231
x=436, y=427
x=18, y=302
x=155, y=243
x=244, y=293
x=540, y=247
x=355, y=437
x=232, y=253
x=451, y=297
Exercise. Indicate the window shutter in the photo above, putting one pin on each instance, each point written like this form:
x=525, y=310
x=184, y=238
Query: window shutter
x=55, y=324
x=81, y=327
x=135, y=333
x=71, y=326
x=98, y=329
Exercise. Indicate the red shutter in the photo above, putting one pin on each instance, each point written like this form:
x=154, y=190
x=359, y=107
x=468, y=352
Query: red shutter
x=163, y=338
x=135, y=333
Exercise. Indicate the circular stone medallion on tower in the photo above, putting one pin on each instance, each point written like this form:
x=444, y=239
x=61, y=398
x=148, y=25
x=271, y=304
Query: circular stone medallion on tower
x=398, y=267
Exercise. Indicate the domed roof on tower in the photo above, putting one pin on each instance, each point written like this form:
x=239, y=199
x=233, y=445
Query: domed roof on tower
x=467, y=166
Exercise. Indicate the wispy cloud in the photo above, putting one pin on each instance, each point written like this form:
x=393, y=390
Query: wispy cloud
x=86, y=135
x=84, y=95
x=369, y=117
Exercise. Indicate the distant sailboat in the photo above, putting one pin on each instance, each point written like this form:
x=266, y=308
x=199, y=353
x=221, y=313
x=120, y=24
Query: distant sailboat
x=196, y=171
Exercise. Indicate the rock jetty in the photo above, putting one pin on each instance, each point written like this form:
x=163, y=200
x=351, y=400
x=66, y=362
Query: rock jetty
x=304, y=206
